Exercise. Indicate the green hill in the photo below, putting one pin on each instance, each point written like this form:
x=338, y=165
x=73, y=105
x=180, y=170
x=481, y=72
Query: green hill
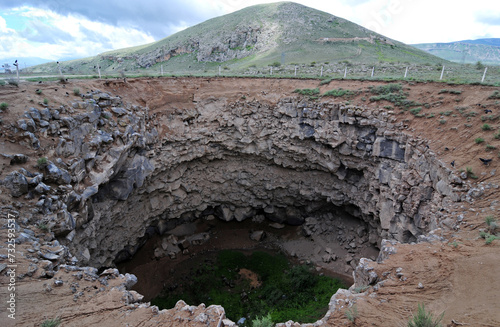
x=257, y=36
x=470, y=51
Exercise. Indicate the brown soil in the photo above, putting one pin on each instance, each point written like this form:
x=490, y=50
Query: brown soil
x=459, y=279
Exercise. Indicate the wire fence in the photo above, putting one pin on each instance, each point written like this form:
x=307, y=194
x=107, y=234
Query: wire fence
x=467, y=74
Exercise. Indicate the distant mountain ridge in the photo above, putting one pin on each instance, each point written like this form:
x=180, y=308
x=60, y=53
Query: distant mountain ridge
x=491, y=41
x=468, y=51
x=260, y=35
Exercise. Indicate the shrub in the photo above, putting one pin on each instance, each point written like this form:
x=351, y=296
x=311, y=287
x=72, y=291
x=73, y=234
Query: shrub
x=4, y=106
x=275, y=64
x=442, y=121
x=12, y=81
x=479, y=65
x=76, y=91
x=497, y=135
x=424, y=319
x=45, y=101
x=479, y=140
x=491, y=222
x=352, y=313
x=51, y=322
x=490, y=238
x=263, y=321
x=42, y=162
x=486, y=127
x=43, y=227
x=38, y=91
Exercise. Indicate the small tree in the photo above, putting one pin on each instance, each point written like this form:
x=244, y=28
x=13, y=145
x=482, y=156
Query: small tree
x=479, y=65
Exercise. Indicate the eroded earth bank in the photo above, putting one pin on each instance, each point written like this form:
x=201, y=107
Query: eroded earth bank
x=158, y=171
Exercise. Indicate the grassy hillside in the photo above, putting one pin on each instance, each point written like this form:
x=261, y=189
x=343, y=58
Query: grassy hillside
x=255, y=37
x=465, y=51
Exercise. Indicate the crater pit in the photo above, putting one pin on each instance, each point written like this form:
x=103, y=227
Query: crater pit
x=339, y=175
x=179, y=168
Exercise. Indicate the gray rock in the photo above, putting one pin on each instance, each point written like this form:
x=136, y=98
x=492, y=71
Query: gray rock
x=35, y=143
x=16, y=183
x=130, y=280
x=18, y=159
x=42, y=188
x=34, y=114
x=50, y=256
x=257, y=235
x=45, y=113
x=57, y=175
x=119, y=111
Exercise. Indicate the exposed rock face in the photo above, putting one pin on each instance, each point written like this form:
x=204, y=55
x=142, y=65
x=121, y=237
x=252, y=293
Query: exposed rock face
x=287, y=160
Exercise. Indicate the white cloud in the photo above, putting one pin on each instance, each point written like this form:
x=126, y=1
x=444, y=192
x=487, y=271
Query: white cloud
x=85, y=37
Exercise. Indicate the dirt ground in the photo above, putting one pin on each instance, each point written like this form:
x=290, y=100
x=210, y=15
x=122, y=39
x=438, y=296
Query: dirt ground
x=457, y=277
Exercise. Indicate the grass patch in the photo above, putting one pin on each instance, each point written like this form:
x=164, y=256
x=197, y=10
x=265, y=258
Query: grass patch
x=495, y=95
x=4, y=106
x=490, y=147
x=287, y=292
x=415, y=111
x=450, y=91
x=479, y=140
x=76, y=91
x=309, y=92
x=497, y=135
x=446, y=113
x=470, y=173
x=423, y=318
x=340, y=92
x=393, y=93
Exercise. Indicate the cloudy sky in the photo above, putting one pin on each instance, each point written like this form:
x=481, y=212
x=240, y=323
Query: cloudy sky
x=65, y=29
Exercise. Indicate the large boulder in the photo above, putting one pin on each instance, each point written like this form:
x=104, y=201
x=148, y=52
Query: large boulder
x=16, y=183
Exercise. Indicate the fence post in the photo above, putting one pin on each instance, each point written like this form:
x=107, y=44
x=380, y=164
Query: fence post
x=406, y=71
x=442, y=73
x=17, y=71
x=295, y=74
x=345, y=72
x=219, y=70
x=484, y=75
x=373, y=71
x=161, y=69
x=99, y=70
x=271, y=70
x=321, y=75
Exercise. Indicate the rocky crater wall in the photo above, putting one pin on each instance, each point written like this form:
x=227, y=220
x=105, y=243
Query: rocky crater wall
x=131, y=173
